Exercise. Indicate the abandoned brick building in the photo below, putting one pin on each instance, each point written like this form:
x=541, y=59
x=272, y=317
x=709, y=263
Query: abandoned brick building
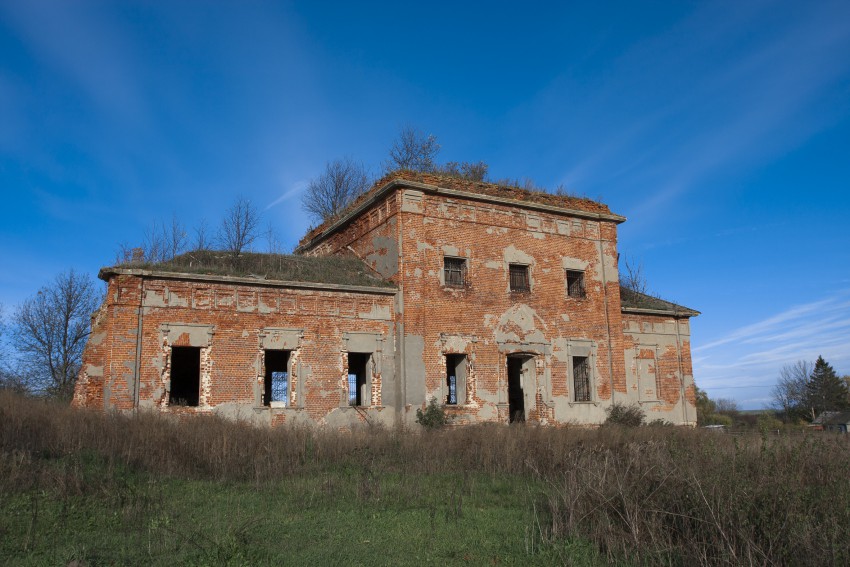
x=502, y=304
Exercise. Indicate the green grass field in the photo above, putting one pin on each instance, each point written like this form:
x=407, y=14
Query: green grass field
x=88, y=488
x=334, y=517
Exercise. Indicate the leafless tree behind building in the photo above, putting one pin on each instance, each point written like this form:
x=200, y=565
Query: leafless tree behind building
x=50, y=331
x=337, y=187
x=240, y=227
x=632, y=276
x=413, y=150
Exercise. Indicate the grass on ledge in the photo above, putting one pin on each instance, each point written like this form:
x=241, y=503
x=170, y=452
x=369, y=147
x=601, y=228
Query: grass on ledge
x=342, y=270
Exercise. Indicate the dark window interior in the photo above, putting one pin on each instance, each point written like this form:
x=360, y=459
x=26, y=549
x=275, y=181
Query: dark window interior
x=519, y=277
x=581, y=378
x=453, y=362
x=357, y=383
x=277, y=377
x=516, y=397
x=185, y=376
x=454, y=271
x=575, y=283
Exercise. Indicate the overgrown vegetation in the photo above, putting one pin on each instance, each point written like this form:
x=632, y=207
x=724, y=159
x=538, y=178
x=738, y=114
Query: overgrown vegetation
x=122, y=489
x=321, y=269
x=434, y=416
x=625, y=415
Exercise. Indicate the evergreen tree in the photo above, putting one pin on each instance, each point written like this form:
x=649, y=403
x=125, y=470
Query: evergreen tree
x=825, y=391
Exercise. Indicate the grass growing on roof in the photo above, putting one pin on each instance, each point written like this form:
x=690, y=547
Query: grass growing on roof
x=342, y=270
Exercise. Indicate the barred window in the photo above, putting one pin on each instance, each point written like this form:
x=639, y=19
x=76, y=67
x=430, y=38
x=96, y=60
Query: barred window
x=575, y=283
x=454, y=270
x=519, y=277
x=581, y=379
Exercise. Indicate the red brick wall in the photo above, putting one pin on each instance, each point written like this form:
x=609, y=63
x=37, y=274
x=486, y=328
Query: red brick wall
x=236, y=314
x=479, y=319
x=662, y=342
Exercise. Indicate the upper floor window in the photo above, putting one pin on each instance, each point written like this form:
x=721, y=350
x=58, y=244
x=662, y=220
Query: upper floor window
x=454, y=271
x=575, y=283
x=519, y=277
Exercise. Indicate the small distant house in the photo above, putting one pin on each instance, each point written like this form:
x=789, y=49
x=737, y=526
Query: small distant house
x=500, y=303
x=833, y=421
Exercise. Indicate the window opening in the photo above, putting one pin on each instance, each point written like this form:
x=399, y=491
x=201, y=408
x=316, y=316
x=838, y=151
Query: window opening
x=358, y=384
x=276, y=385
x=519, y=277
x=185, y=376
x=581, y=378
x=454, y=271
x=575, y=283
x=516, y=397
x=455, y=379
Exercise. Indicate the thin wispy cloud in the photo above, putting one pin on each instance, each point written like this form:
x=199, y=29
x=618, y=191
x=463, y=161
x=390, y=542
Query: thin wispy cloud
x=692, y=120
x=72, y=38
x=293, y=191
x=750, y=357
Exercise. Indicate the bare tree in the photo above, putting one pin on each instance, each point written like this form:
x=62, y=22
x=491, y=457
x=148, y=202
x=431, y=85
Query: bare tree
x=175, y=236
x=632, y=277
x=726, y=405
x=789, y=392
x=50, y=331
x=473, y=171
x=153, y=243
x=202, y=236
x=240, y=227
x=273, y=242
x=413, y=150
x=329, y=194
x=161, y=242
x=9, y=379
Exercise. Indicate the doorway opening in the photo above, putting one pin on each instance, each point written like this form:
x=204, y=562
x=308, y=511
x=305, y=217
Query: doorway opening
x=516, y=393
x=359, y=389
x=185, y=376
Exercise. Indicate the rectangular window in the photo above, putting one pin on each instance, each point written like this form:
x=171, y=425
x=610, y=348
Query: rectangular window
x=455, y=379
x=454, y=271
x=277, y=377
x=185, y=376
x=581, y=378
x=519, y=277
x=359, y=389
x=575, y=283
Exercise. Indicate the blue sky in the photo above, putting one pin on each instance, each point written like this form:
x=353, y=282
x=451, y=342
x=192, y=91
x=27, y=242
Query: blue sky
x=720, y=129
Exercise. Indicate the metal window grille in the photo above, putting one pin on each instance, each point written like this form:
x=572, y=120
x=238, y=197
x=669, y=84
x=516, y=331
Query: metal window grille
x=519, y=277
x=575, y=283
x=451, y=380
x=455, y=271
x=581, y=378
x=280, y=387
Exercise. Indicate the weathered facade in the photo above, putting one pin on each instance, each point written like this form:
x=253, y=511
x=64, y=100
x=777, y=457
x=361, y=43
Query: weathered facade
x=502, y=304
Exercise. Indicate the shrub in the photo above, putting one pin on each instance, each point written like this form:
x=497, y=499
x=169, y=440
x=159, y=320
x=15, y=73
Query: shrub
x=767, y=422
x=627, y=416
x=434, y=416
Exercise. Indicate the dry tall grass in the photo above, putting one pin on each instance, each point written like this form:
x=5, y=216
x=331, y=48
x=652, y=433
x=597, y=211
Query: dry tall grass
x=654, y=495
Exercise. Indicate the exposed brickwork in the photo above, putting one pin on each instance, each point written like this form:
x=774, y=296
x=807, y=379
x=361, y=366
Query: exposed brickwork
x=404, y=233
